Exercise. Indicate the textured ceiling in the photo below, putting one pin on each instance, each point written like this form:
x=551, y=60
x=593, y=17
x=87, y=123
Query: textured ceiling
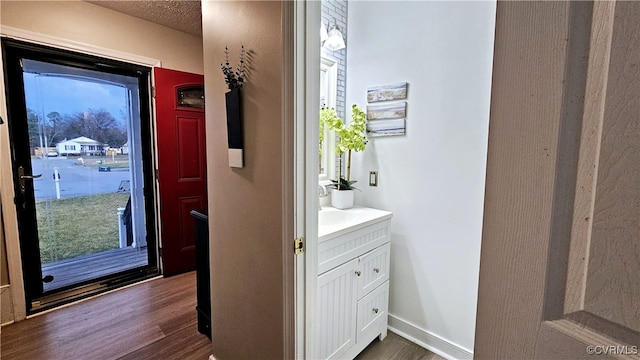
x=183, y=15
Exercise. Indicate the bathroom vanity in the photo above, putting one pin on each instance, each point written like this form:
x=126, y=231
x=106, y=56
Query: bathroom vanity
x=353, y=280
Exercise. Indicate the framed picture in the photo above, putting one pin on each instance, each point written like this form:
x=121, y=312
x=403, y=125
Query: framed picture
x=388, y=127
x=387, y=111
x=396, y=91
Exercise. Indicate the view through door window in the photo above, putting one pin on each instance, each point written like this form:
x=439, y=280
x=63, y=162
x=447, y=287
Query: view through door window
x=84, y=139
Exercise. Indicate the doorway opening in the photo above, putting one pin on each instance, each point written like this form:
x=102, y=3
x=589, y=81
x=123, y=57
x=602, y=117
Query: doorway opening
x=80, y=138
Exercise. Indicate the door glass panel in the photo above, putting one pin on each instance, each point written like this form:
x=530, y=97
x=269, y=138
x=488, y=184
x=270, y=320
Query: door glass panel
x=83, y=132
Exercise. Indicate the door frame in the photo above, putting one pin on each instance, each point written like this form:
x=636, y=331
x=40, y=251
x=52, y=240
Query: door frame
x=306, y=95
x=9, y=214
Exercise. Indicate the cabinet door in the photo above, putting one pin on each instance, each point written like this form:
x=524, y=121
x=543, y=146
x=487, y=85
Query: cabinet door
x=337, y=299
x=372, y=314
x=373, y=269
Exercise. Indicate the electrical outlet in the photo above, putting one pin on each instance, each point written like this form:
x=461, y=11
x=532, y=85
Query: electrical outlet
x=373, y=178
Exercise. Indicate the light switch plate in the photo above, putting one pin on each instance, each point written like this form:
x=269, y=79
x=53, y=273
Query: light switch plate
x=373, y=178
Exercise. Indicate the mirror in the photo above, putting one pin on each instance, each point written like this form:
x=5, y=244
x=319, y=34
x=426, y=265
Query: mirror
x=328, y=92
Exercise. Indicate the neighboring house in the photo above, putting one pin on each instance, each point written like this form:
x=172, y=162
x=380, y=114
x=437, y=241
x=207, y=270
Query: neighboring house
x=125, y=148
x=80, y=146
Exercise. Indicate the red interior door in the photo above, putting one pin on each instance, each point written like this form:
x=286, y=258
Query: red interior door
x=181, y=164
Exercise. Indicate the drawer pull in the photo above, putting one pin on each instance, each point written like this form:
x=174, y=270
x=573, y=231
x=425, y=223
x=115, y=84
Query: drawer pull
x=358, y=272
x=376, y=270
x=375, y=310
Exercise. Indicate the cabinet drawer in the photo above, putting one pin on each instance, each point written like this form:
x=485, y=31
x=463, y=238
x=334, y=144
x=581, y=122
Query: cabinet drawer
x=372, y=313
x=374, y=269
x=336, y=251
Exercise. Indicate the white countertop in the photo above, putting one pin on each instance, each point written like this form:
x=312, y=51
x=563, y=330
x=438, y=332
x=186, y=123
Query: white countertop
x=334, y=222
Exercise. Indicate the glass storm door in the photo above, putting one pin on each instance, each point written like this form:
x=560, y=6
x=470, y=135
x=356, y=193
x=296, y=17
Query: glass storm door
x=77, y=130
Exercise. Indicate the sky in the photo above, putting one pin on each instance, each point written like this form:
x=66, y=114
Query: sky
x=72, y=95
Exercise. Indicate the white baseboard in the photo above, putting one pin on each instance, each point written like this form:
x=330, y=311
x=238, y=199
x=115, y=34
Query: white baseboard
x=428, y=340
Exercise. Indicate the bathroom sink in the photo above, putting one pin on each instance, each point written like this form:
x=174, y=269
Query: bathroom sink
x=333, y=222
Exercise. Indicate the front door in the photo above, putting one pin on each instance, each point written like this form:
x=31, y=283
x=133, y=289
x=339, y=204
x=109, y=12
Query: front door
x=560, y=263
x=182, y=164
x=78, y=126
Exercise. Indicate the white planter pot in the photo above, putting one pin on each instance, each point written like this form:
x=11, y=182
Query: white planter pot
x=342, y=199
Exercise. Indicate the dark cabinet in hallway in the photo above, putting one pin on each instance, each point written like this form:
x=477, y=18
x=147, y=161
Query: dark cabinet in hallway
x=203, y=293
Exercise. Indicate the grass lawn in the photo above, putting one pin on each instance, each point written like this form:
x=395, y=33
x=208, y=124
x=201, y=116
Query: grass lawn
x=117, y=162
x=78, y=226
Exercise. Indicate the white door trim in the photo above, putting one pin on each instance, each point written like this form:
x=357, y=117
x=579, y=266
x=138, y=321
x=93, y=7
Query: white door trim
x=299, y=172
x=312, y=114
x=307, y=106
x=61, y=43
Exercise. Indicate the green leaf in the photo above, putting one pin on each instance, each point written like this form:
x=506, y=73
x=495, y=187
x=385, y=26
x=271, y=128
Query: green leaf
x=343, y=184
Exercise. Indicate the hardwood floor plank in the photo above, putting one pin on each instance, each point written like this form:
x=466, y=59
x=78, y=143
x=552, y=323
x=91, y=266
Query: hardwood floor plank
x=395, y=347
x=149, y=320
x=185, y=344
x=154, y=320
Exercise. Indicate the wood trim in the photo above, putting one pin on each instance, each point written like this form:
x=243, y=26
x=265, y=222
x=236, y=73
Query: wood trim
x=6, y=312
x=60, y=43
x=594, y=106
x=300, y=171
x=311, y=75
x=289, y=204
x=9, y=215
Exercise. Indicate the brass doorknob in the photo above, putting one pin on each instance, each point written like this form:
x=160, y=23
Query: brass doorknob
x=22, y=176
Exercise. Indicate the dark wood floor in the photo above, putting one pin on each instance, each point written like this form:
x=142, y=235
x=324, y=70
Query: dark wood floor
x=394, y=347
x=153, y=320
x=88, y=267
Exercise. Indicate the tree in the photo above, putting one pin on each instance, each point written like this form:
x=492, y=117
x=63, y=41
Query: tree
x=33, y=122
x=98, y=125
x=53, y=127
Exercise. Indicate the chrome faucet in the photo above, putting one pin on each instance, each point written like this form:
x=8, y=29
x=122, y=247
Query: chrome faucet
x=322, y=192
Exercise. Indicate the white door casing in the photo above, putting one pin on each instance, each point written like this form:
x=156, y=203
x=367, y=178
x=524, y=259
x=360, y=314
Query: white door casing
x=306, y=94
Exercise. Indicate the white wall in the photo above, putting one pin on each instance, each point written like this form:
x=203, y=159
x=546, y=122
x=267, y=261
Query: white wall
x=433, y=177
x=86, y=23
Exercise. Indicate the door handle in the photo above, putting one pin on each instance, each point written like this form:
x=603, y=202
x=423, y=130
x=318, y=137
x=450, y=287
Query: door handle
x=22, y=176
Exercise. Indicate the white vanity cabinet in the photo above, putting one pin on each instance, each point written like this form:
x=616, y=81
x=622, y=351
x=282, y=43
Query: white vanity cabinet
x=353, y=287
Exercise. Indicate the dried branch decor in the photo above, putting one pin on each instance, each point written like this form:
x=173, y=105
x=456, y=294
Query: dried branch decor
x=234, y=79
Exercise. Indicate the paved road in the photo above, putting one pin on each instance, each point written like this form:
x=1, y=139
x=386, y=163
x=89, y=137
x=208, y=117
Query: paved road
x=75, y=180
